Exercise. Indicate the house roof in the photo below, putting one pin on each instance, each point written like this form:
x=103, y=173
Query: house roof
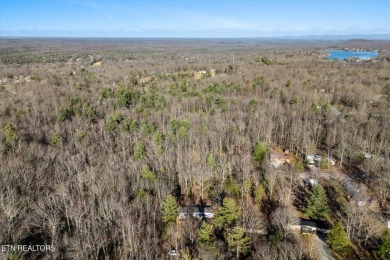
x=307, y=223
x=320, y=224
x=194, y=208
x=197, y=211
x=323, y=224
x=318, y=158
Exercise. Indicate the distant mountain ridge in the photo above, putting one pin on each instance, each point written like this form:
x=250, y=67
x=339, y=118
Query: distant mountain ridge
x=194, y=34
x=349, y=37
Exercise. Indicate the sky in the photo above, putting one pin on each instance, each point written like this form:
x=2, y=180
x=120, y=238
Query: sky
x=189, y=18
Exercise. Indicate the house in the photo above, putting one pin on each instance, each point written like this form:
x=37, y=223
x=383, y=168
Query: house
x=199, y=74
x=97, y=64
x=173, y=252
x=331, y=161
x=278, y=159
x=314, y=159
x=307, y=226
x=310, y=159
x=323, y=226
x=144, y=79
x=196, y=211
x=367, y=155
x=310, y=182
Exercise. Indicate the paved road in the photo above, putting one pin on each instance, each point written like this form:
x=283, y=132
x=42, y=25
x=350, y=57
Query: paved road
x=322, y=249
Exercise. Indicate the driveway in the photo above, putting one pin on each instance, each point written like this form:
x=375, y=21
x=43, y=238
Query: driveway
x=315, y=173
x=356, y=190
x=322, y=249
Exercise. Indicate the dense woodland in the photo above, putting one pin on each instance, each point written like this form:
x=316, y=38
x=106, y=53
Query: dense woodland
x=102, y=142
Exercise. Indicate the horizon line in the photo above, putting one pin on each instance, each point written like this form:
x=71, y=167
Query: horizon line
x=319, y=36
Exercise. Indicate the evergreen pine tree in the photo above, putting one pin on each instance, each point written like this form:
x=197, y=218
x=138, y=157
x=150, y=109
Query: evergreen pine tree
x=317, y=203
x=383, y=251
x=237, y=241
x=259, y=152
x=259, y=193
x=10, y=133
x=227, y=214
x=324, y=163
x=147, y=174
x=210, y=161
x=206, y=235
x=337, y=238
x=232, y=187
x=139, y=151
x=169, y=210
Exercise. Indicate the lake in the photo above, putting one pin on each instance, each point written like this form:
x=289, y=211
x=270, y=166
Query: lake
x=340, y=54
